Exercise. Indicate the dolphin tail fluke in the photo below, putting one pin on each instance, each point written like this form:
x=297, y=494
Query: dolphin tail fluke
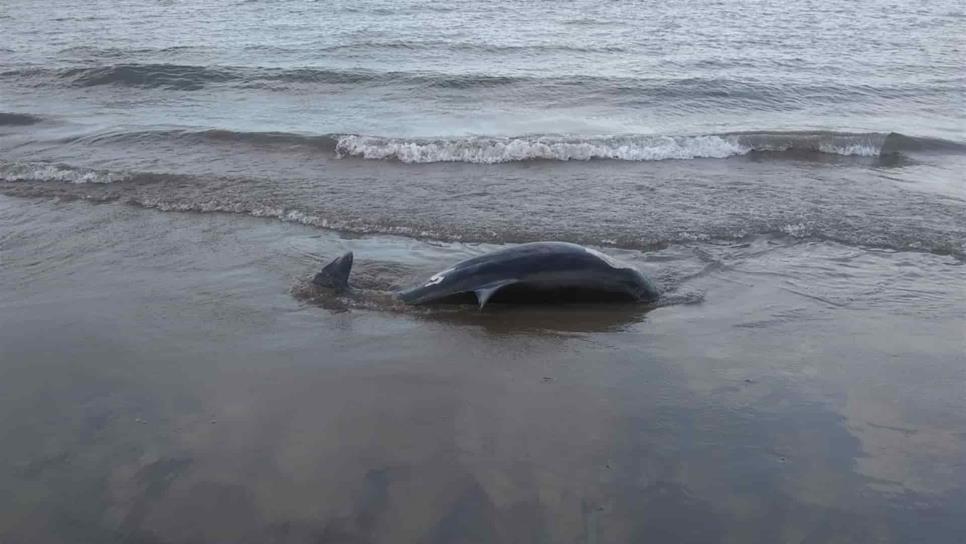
x=335, y=275
x=483, y=294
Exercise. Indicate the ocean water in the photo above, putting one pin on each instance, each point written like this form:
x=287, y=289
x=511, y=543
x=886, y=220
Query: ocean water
x=790, y=173
x=630, y=124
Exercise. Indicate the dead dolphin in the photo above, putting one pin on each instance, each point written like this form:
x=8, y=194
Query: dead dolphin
x=534, y=272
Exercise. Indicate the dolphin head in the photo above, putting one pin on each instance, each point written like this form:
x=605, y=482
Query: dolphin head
x=640, y=285
x=628, y=277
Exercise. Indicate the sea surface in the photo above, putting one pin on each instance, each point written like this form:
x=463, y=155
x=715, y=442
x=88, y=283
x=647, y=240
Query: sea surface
x=790, y=173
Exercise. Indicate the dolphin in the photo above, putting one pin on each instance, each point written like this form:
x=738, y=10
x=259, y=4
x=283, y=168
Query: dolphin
x=537, y=271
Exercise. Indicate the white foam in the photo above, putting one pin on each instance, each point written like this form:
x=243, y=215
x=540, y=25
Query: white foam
x=796, y=230
x=490, y=150
x=20, y=171
x=865, y=149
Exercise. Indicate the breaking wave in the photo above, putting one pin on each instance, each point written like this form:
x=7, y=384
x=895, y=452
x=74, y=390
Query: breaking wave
x=489, y=150
x=503, y=149
x=27, y=171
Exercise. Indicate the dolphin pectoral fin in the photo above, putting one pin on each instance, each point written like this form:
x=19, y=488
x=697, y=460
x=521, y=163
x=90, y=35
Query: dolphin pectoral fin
x=483, y=294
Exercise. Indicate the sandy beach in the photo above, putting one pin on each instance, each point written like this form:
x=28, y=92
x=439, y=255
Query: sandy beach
x=189, y=396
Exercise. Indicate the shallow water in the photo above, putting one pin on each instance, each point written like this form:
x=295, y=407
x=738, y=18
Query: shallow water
x=172, y=174
x=158, y=367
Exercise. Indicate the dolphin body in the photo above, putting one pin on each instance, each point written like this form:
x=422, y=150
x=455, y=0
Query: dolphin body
x=534, y=272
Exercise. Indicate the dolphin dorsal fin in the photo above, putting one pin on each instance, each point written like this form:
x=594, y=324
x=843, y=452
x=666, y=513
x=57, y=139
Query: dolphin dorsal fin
x=335, y=275
x=484, y=293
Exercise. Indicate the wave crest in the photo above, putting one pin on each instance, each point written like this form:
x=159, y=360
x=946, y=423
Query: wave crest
x=490, y=150
x=18, y=119
x=25, y=171
x=500, y=149
x=627, y=91
x=166, y=76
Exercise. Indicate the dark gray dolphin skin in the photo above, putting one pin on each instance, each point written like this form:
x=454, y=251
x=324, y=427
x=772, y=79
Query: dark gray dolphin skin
x=335, y=275
x=538, y=271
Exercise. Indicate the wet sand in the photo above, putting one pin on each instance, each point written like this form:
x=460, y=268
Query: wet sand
x=159, y=382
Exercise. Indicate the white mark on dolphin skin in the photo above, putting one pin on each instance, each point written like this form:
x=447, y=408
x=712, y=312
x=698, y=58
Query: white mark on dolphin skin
x=437, y=278
x=606, y=258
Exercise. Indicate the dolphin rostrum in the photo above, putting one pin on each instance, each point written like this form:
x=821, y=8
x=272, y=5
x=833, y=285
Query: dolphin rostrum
x=538, y=271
